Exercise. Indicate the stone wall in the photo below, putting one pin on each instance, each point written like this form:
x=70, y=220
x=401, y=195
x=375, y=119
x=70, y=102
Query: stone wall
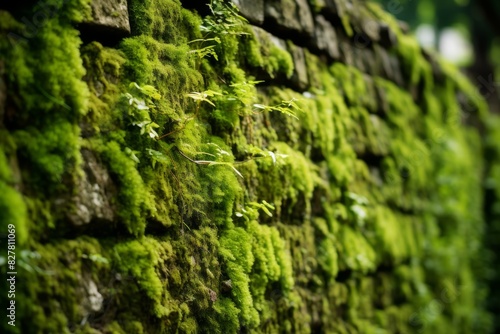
x=175, y=168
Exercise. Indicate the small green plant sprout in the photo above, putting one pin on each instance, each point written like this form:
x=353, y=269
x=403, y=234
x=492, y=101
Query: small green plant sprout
x=258, y=153
x=132, y=154
x=251, y=210
x=204, y=51
x=96, y=258
x=288, y=108
x=219, y=156
x=147, y=90
x=244, y=92
x=163, y=157
x=224, y=19
x=140, y=103
x=27, y=261
x=358, y=207
x=157, y=156
x=199, y=97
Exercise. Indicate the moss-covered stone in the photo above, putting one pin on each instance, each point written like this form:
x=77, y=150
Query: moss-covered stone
x=235, y=211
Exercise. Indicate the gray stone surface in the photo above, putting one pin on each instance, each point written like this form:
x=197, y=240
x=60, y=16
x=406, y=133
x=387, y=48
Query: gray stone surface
x=371, y=29
x=397, y=76
x=381, y=63
x=94, y=192
x=277, y=41
x=369, y=61
x=253, y=10
x=346, y=53
x=95, y=299
x=284, y=15
x=326, y=37
x=265, y=38
x=260, y=34
x=111, y=14
x=291, y=15
x=299, y=78
x=357, y=55
x=305, y=16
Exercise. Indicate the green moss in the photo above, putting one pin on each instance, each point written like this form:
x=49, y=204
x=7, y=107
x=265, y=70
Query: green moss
x=139, y=259
x=357, y=253
x=375, y=210
x=48, y=82
x=228, y=316
x=165, y=66
x=50, y=151
x=236, y=249
x=13, y=212
x=134, y=200
x=165, y=20
x=265, y=51
x=104, y=68
x=50, y=267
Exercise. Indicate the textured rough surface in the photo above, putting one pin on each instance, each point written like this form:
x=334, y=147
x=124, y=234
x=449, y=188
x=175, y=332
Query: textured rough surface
x=94, y=193
x=210, y=175
x=253, y=10
x=110, y=14
x=292, y=15
x=299, y=77
x=326, y=38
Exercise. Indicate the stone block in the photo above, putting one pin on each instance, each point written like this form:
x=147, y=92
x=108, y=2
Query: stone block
x=305, y=16
x=371, y=29
x=377, y=69
x=346, y=52
x=387, y=65
x=252, y=10
x=290, y=15
x=299, y=77
x=396, y=74
x=357, y=55
x=369, y=61
x=94, y=192
x=326, y=38
x=109, y=17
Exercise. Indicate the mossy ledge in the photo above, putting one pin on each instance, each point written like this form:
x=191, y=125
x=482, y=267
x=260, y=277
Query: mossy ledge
x=204, y=176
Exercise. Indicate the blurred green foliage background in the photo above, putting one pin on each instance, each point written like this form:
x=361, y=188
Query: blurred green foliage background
x=466, y=32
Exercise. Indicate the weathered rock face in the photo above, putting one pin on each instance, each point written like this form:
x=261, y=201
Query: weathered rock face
x=292, y=15
x=303, y=172
x=110, y=16
x=94, y=193
x=300, y=77
x=253, y=10
x=326, y=38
